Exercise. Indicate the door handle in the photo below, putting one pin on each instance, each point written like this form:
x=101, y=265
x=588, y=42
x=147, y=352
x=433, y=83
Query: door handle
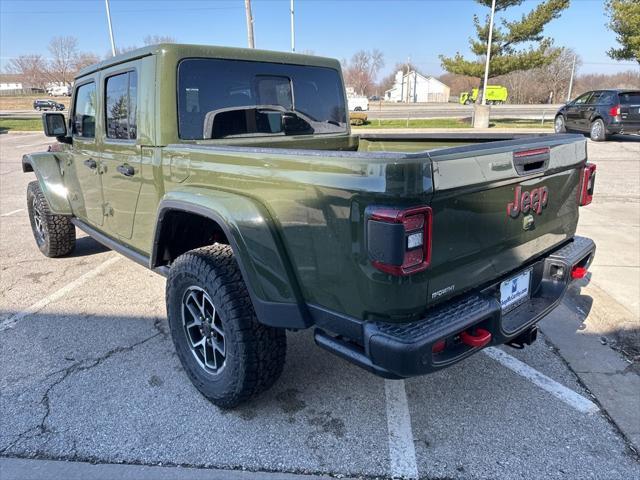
x=91, y=163
x=126, y=170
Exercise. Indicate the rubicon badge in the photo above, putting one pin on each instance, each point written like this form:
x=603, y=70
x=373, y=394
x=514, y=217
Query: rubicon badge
x=528, y=201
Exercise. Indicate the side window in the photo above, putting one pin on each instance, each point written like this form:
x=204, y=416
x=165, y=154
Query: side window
x=582, y=99
x=120, y=106
x=608, y=98
x=595, y=98
x=84, y=111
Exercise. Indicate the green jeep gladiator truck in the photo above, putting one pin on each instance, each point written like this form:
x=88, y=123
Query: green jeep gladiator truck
x=234, y=173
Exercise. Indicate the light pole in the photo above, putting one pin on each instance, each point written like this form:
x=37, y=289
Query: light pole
x=293, y=33
x=486, y=66
x=113, y=44
x=573, y=68
x=247, y=8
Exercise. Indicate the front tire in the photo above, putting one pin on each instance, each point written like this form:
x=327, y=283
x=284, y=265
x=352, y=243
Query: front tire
x=558, y=125
x=55, y=235
x=598, y=132
x=227, y=354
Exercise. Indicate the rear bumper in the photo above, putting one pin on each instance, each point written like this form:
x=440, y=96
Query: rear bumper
x=624, y=127
x=400, y=350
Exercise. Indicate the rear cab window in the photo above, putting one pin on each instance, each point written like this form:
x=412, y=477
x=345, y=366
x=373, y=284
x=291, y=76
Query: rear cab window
x=120, y=106
x=233, y=98
x=84, y=111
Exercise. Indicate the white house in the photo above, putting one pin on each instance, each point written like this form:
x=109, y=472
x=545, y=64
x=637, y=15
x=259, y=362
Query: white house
x=413, y=87
x=10, y=82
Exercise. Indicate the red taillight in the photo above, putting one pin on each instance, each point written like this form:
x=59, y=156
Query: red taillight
x=587, y=185
x=403, y=249
x=614, y=111
x=439, y=346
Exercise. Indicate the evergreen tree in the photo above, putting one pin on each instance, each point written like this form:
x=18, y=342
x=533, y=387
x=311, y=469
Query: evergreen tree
x=516, y=45
x=625, y=22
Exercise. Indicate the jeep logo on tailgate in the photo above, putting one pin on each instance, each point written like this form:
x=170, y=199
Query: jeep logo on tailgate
x=524, y=202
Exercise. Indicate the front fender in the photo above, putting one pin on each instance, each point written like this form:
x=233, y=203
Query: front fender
x=46, y=166
x=254, y=239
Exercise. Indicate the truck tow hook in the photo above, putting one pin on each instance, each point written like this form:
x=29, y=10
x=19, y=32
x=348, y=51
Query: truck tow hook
x=480, y=338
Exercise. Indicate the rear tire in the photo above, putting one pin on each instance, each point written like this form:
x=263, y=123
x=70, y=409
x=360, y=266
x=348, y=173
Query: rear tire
x=227, y=354
x=598, y=132
x=55, y=235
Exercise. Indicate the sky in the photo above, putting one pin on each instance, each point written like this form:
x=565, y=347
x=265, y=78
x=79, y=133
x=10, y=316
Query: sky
x=401, y=29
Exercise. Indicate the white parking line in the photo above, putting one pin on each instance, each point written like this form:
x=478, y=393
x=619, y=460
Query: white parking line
x=401, y=448
x=36, y=307
x=556, y=389
x=11, y=212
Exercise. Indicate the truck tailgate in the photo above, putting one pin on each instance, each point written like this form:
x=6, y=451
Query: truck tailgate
x=498, y=205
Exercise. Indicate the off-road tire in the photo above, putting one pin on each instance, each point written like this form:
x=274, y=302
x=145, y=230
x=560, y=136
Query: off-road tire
x=598, y=132
x=56, y=235
x=254, y=353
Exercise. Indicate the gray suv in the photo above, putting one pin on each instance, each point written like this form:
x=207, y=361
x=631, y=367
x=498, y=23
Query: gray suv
x=601, y=113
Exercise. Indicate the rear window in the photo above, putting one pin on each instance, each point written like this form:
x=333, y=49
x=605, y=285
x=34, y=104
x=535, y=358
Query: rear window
x=232, y=98
x=627, y=98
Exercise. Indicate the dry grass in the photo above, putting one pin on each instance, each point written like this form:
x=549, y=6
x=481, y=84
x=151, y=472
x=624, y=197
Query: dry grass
x=25, y=102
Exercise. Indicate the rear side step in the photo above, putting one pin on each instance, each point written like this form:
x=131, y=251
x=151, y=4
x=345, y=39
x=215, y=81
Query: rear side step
x=350, y=352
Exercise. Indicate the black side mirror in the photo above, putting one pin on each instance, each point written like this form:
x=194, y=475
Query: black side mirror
x=55, y=125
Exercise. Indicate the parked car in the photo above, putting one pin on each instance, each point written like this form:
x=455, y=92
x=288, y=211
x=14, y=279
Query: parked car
x=268, y=215
x=358, y=104
x=375, y=98
x=47, y=105
x=601, y=113
x=496, y=95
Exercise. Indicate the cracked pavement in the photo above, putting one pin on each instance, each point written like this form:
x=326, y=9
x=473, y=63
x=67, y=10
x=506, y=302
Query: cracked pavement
x=93, y=377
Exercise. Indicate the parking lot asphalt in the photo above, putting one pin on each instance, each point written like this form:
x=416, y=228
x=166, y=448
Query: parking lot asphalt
x=88, y=373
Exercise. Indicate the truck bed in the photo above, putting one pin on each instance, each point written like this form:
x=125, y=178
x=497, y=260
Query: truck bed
x=316, y=196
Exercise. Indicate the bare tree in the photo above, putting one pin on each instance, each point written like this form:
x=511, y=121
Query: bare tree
x=361, y=72
x=32, y=70
x=547, y=84
x=64, y=51
x=459, y=83
x=597, y=81
x=84, y=59
x=154, y=39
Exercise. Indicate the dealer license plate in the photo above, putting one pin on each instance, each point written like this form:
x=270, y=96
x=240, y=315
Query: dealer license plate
x=515, y=291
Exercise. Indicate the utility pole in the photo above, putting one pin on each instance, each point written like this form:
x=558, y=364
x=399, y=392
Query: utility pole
x=408, y=76
x=247, y=8
x=293, y=32
x=486, y=67
x=573, y=67
x=113, y=44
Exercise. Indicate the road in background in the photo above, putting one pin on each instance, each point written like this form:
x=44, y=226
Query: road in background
x=399, y=110
x=91, y=375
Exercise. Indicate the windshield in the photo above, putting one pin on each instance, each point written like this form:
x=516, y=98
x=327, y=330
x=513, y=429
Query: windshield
x=214, y=90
